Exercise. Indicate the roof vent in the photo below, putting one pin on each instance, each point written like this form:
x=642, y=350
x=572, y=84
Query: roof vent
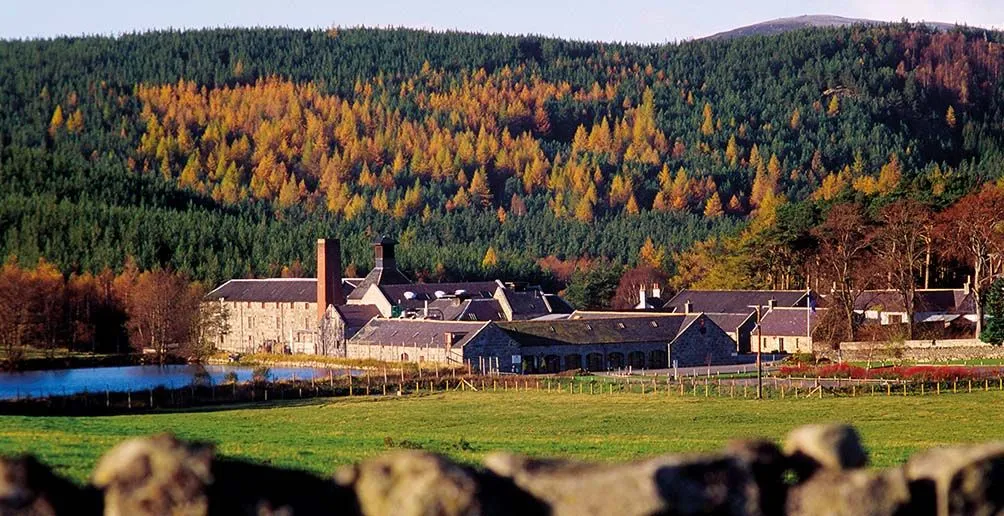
x=409, y=295
x=440, y=294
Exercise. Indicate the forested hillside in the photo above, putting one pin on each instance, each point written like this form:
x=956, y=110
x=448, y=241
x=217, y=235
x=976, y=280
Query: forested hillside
x=224, y=153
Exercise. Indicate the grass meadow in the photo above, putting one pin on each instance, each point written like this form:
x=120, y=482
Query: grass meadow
x=320, y=435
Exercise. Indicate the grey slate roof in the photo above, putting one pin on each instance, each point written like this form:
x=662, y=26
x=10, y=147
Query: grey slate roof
x=948, y=301
x=732, y=301
x=557, y=304
x=789, y=322
x=427, y=291
x=730, y=322
x=416, y=333
x=379, y=276
x=274, y=290
x=664, y=328
x=356, y=316
x=533, y=303
x=455, y=309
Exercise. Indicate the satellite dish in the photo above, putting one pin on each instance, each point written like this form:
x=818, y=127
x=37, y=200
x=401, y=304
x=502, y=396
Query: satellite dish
x=440, y=294
x=459, y=292
x=409, y=295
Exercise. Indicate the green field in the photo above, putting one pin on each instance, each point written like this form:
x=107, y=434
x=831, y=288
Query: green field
x=321, y=435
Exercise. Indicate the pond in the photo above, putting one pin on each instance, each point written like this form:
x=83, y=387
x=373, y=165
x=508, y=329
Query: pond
x=136, y=378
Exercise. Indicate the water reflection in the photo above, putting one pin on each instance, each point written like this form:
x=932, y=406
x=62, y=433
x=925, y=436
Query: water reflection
x=136, y=378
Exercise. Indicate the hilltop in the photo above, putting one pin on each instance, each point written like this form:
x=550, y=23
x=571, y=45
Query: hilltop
x=782, y=25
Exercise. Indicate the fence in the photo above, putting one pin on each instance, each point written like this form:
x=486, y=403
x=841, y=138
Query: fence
x=192, y=396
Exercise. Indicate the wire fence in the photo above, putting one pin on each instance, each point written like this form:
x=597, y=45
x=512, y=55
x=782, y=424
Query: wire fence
x=100, y=402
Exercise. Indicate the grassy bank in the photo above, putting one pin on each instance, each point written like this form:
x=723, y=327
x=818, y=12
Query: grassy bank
x=320, y=435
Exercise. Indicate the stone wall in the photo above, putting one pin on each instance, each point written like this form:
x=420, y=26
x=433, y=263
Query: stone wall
x=493, y=346
x=916, y=350
x=821, y=469
x=398, y=353
x=701, y=343
x=256, y=325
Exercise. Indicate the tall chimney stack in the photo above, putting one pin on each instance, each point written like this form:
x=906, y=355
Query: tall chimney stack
x=383, y=251
x=329, y=275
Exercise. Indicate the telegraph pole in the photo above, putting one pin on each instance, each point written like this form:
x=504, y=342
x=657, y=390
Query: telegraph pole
x=759, y=350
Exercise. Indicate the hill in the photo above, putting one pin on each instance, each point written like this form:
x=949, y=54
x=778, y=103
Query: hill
x=781, y=25
x=224, y=153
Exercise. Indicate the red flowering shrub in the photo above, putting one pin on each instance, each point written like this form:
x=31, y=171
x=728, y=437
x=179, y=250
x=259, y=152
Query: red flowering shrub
x=912, y=373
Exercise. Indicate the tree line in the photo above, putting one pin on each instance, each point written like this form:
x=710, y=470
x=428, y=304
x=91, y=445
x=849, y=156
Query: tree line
x=157, y=312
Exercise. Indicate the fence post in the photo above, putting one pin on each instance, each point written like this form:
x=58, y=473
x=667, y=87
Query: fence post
x=129, y=399
x=970, y=385
x=888, y=389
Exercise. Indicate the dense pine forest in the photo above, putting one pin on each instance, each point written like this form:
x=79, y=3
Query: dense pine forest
x=224, y=153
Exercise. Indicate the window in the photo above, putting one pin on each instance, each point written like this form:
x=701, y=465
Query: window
x=620, y=325
x=250, y=322
x=654, y=324
x=780, y=343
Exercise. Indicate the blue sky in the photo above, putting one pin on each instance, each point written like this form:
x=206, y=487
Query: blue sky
x=647, y=21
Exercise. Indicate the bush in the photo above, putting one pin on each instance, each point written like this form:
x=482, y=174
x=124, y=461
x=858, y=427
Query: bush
x=230, y=378
x=261, y=374
x=201, y=378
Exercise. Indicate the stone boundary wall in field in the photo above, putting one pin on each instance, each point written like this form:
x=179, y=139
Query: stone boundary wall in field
x=916, y=350
x=821, y=469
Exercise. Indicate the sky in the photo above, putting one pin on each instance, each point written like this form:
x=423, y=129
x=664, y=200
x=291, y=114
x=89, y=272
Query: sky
x=638, y=21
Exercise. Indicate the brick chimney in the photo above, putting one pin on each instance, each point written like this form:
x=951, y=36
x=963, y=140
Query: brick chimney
x=383, y=252
x=329, y=275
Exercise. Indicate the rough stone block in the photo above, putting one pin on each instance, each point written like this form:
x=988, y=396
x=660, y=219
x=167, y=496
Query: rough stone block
x=958, y=480
x=29, y=487
x=155, y=475
x=813, y=447
x=411, y=483
x=768, y=466
x=847, y=493
x=672, y=485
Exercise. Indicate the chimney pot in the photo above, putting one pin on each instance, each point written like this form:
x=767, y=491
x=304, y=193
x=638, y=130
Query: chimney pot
x=688, y=307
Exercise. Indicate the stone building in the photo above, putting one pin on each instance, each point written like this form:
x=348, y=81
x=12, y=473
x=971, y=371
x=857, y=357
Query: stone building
x=930, y=306
x=393, y=295
x=281, y=315
x=600, y=344
x=445, y=342
x=320, y=315
x=788, y=329
x=606, y=343
x=732, y=301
